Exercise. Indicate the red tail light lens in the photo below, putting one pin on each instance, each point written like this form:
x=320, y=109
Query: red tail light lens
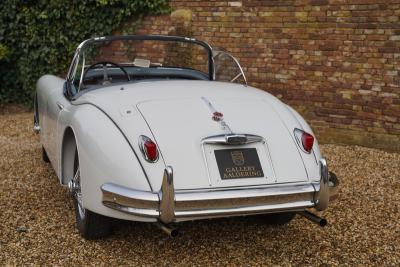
x=151, y=150
x=307, y=140
x=304, y=139
x=148, y=148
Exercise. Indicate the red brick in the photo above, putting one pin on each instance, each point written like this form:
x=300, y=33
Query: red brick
x=322, y=47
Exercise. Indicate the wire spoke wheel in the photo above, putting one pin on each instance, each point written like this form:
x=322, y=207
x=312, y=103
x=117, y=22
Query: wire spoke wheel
x=89, y=224
x=77, y=193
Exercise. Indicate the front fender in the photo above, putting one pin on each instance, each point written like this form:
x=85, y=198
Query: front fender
x=104, y=156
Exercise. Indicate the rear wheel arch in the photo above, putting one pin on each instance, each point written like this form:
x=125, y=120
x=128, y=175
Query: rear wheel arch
x=89, y=224
x=68, y=151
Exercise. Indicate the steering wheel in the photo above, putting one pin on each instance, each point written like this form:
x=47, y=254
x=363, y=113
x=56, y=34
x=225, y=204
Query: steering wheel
x=106, y=80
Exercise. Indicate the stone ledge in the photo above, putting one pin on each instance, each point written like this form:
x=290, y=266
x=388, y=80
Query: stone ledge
x=385, y=142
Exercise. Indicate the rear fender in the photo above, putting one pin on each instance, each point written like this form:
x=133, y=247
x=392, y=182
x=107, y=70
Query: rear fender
x=306, y=127
x=293, y=120
x=104, y=156
x=311, y=160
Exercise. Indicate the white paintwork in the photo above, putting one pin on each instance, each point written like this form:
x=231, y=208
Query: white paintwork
x=174, y=115
x=184, y=122
x=49, y=91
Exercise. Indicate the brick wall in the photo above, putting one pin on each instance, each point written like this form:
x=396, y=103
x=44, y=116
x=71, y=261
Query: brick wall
x=336, y=61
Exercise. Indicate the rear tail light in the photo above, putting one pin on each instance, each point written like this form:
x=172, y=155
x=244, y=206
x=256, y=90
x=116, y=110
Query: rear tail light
x=148, y=148
x=304, y=140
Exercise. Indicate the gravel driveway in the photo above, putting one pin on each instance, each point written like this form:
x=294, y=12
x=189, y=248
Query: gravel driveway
x=37, y=219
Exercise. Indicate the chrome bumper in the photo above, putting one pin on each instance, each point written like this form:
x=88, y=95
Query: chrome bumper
x=169, y=205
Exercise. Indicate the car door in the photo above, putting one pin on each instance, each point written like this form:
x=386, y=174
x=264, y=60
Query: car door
x=56, y=102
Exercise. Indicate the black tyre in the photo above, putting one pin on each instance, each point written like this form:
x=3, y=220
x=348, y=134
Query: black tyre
x=89, y=224
x=279, y=218
x=92, y=225
x=44, y=156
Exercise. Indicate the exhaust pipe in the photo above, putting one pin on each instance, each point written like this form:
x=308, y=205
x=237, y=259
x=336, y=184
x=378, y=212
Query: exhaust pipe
x=314, y=218
x=171, y=231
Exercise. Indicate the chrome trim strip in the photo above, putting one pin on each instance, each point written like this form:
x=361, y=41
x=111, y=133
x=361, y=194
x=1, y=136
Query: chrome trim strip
x=146, y=213
x=224, y=126
x=322, y=196
x=238, y=211
x=232, y=139
x=73, y=66
x=82, y=72
x=59, y=105
x=272, y=190
x=129, y=200
x=248, y=198
x=122, y=191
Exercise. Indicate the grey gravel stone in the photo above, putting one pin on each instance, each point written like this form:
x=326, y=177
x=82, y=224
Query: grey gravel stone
x=363, y=229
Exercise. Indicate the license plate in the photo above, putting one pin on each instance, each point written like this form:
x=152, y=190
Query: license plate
x=238, y=163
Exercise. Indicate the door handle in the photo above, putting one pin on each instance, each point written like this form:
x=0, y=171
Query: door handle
x=59, y=105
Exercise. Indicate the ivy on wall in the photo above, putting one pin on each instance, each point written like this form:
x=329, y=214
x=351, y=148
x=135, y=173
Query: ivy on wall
x=40, y=36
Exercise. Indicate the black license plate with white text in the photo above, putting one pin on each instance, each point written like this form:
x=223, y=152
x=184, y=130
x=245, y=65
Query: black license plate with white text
x=238, y=163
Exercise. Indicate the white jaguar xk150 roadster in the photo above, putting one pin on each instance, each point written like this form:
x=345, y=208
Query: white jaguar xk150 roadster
x=165, y=129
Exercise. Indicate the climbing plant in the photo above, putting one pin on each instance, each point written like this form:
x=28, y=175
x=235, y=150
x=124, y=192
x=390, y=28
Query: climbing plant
x=40, y=36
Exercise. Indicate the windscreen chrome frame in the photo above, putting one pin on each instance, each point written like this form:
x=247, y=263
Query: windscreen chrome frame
x=82, y=71
x=74, y=64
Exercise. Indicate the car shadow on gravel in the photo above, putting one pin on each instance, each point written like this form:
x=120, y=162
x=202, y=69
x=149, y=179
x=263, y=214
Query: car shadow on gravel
x=223, y=238
x=228, y=227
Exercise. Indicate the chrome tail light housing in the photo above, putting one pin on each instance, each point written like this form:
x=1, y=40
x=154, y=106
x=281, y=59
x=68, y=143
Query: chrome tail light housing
x=304, y=140
x=148, y=148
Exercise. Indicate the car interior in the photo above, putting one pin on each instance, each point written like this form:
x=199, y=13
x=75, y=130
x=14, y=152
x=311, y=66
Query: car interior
x=111, y=73
x=116, y=60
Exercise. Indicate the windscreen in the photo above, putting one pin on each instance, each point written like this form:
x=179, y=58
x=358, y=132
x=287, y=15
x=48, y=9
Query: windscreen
x=148, y=53
x=106, y=61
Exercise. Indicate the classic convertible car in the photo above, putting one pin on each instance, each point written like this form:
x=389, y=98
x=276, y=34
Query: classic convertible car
x=165, y=129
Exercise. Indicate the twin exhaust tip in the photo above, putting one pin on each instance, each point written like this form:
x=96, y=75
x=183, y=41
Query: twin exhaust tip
x=313, y=218
x=171, y=231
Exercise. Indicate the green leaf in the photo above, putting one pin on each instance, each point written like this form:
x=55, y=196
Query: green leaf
x=39, y=37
